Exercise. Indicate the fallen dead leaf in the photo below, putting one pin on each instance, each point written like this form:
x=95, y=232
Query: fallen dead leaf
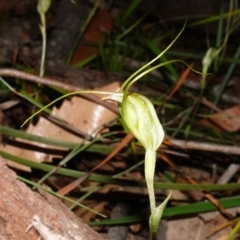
x=228, y=119
x=78, y=112
x=212, y=228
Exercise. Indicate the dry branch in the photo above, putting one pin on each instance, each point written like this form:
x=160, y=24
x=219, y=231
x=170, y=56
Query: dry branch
x=19, y=204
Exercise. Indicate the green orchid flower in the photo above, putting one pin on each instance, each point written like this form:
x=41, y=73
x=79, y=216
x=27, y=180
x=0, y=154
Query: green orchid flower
x=140, y=117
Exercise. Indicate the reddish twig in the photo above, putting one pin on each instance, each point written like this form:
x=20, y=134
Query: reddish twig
x=51, y=82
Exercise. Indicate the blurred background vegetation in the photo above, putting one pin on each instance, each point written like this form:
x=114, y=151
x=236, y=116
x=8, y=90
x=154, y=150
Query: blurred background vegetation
x=91, y=44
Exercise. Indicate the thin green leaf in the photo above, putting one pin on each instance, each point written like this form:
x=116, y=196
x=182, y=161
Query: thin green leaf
x=156, y=216
x=193, y=208
x=129, y=10
x=121, y=182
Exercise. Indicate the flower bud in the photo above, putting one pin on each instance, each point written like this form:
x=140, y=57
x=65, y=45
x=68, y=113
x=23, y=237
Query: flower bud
x=140, y=116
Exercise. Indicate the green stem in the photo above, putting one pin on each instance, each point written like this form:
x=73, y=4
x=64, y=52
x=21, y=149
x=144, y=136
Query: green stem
x=150, y=161
x=234, y=231
x=154, y=236
x=44, y=44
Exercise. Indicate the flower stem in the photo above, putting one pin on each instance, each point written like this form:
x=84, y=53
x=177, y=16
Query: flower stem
x=150, y=160
x=154, y=236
